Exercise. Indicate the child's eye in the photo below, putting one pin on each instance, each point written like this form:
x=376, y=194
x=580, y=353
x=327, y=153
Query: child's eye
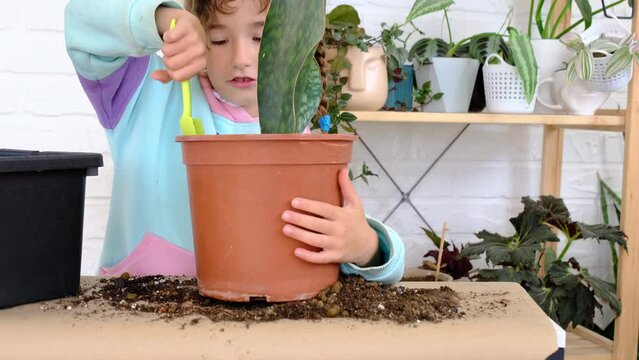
x=219, y=42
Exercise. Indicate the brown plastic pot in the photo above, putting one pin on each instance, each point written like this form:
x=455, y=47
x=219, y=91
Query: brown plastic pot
x=239, y=186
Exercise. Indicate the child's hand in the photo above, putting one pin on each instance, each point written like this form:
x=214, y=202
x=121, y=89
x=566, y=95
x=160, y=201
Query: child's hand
x=185, y=46
x=342, y=233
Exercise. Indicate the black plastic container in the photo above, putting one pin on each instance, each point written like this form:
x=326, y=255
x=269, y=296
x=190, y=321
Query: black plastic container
x=41, y=220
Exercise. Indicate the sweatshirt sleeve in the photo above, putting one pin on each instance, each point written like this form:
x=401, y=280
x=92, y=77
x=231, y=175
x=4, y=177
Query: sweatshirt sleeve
x=392, y=247
x=101, y=35
x=110, y=44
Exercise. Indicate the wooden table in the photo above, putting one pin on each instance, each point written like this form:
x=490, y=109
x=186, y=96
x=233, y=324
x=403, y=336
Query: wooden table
x=490, y=330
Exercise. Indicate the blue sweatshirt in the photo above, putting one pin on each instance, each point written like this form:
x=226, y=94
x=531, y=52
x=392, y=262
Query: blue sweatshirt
x=113, y=46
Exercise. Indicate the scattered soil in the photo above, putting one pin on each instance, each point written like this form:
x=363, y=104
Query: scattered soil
x=349, y=297
x=419, y=278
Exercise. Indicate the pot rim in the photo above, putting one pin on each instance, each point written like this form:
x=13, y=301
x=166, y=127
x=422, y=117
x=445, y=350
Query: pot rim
x=267, y=137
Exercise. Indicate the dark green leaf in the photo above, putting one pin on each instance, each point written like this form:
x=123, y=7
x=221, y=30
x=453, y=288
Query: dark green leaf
x=603, y=232
x=290, y=82
x=559, y=273
x=496, y=247
x=553, y=209
x=586, y=12
x=343, y=15
x=603, y=290
x=438, y=96
x=348, y=117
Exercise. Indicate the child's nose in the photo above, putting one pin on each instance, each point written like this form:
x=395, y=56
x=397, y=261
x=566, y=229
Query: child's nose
x=242, y=53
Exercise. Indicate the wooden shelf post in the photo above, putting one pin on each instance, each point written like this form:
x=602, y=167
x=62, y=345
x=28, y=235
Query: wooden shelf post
x=627, y=325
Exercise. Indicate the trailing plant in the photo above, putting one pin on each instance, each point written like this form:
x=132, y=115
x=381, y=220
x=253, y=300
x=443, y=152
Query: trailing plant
x=342, y=31
x=568, y=293
x=621, y=52
x=424, y=95
x=394, y=38
x=452, y=262
x=548, y=27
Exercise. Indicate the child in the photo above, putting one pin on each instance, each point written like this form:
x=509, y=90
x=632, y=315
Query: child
x=112, y=45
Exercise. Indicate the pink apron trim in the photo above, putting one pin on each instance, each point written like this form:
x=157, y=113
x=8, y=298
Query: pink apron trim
x=154, y=256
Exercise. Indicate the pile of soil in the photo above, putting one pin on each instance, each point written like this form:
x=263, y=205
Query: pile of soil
x=349, y=297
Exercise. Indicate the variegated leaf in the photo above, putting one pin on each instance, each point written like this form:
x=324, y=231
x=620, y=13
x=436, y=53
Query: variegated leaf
x=525, y=61
x=423, y=7
x=619, y=61
x=584, y=65
x=571, y=70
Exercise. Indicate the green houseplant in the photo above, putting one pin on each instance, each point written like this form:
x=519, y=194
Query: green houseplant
x=605, y=63
x=548, y=27
x=231, y=264
x=356, y=75
x=568, y=293
x=394, y=39
x=551, y=22
x=452, y=262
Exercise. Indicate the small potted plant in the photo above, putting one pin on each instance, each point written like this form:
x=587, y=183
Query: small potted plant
x=448, y=66
x=510, y=79
x=394, y=39
x=240, y=251
x=605, y=63
x=356, y=70
x=452, y=262
x=547, y=18
x=567, y=292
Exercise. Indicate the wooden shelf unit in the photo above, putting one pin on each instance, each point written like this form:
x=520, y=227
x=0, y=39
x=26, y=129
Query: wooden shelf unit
x=582, y=344
x=605, y=120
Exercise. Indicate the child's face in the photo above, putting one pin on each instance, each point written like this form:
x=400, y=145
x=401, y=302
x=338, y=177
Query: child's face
x=233, y=56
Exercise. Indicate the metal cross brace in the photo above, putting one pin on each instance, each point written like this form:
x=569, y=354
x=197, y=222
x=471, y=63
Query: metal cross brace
x=406, y=194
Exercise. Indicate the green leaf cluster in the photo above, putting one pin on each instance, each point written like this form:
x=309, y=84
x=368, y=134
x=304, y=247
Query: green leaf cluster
x=567, y=292
x=620, y=53
x=548, y=26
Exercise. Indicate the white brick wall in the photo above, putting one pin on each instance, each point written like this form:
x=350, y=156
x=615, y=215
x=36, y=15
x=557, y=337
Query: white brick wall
x=477, y=185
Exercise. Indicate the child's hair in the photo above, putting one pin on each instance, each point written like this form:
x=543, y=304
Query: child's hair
x=206, y=9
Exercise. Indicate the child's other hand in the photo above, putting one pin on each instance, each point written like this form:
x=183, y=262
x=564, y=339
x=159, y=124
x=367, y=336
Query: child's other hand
x=185, y=46
x=342, y=233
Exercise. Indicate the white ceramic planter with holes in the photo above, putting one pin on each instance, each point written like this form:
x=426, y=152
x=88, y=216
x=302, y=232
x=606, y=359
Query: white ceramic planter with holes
x=504, y=88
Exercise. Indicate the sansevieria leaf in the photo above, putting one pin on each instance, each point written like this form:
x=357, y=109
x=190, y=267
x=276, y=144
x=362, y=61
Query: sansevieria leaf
x=525, y=62
x=288, y=74
x=423, y=7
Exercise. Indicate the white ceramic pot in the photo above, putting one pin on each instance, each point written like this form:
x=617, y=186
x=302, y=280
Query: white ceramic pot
x=551, y=56
x=454, y=77
x=573, y=97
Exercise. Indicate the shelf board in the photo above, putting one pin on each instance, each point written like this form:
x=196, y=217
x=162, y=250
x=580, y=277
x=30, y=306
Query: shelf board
x=606, y=120
x=584, y=344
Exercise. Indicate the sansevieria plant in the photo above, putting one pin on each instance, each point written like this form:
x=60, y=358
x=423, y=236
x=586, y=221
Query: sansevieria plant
x=290, y=85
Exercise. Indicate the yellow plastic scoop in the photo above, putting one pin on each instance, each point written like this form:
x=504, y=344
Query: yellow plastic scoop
x=188, y=125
